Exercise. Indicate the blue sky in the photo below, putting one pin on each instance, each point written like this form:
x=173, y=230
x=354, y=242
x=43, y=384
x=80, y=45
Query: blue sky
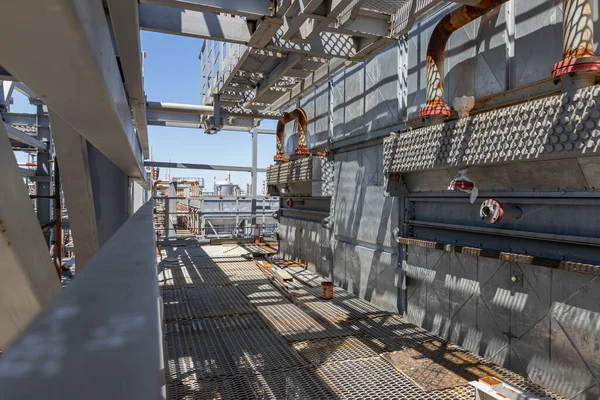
x=172, y=74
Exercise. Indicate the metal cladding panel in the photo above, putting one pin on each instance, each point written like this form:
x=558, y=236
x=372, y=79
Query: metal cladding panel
x=382, y=104
x=361, y=212
x=305, y=241
x=338, y=111
x=490, y=62
x=543, y=326
x=537, y=22
x=354, y=102
x=320, y=133
x=308, y=105
x=369, y=274
x=460, y=61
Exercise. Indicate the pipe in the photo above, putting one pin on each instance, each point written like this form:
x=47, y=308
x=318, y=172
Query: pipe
x=58, y=217
x=578, y=44
x=437, y=46
x=296, y=114
x=180, y=108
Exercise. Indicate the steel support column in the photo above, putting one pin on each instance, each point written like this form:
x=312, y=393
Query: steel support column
x=44, y=168
x=71, y=150
x=254, y=174
x=27, y=277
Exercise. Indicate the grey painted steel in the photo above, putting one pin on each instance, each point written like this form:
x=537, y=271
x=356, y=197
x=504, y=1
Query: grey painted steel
x=161, y=164
x=89, y=94
x=126, y=27
x=105, y=324
x=72, y=154
x=21, y=137
x=44, y=168
x=247, y=8
x=110, y=186
x=5, y=75
x=28, y=280
x=207, y=26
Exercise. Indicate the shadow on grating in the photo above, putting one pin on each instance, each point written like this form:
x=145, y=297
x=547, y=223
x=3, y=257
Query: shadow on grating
x=195, y=303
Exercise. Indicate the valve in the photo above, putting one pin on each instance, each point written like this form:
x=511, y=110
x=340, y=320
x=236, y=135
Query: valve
x=492, y=212
x=462, y=183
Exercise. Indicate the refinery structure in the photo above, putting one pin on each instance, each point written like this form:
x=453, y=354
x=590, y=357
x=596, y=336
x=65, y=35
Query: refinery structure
x=429, y=226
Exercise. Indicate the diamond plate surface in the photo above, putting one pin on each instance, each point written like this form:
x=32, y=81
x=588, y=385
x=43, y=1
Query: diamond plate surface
x=194, y=303
x=338, y=349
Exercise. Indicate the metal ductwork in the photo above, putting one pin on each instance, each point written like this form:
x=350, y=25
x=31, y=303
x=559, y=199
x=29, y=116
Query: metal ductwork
x=579, y=60
x=297, y=114
x=437, y=46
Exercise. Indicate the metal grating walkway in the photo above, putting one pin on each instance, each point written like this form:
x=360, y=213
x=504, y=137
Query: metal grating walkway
x=231, y=334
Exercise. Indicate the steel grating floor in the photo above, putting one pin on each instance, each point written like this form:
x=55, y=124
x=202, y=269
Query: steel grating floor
x=231, y=334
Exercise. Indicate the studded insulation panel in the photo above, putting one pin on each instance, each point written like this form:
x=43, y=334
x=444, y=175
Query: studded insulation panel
x=563, y=126
x=312, y=176
x=194, y=303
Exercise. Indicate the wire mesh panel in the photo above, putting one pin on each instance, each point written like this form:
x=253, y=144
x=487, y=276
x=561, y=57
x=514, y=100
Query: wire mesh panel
x=373, y=378
x=351, y=306
x=236, y=387
x=194, y=303
x=172, y=278
x=225, y=346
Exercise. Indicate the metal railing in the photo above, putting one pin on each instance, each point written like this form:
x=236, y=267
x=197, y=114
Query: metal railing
x=101, y=337
x=214, y=217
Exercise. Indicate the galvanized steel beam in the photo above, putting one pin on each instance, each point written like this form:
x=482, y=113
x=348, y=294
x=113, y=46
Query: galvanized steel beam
x=126, y=27
x=71, y=152
x=203, y=25
x=252, y=9
x=161, y=164
x=105, y=325
x=80, y=79
x=28, y=280
x=24, y=138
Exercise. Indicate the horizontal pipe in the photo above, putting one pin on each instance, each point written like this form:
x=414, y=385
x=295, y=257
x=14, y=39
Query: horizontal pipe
x=180, y=108
x=580, y=240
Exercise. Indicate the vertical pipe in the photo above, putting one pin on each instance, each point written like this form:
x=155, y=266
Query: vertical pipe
x=579, y=62
x=254, y=175
x=58, y=226
x=437, y=47
x=578, y=29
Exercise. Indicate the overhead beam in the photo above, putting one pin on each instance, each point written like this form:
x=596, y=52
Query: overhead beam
x=325, y=44
x=161, y=164
x=126, y=27
x=244, y=8
x=202, y=25
x=5, y=75
x=28, y=280
x=80, y=79
x=277, y=73
x=72, y=156
x=24, y=138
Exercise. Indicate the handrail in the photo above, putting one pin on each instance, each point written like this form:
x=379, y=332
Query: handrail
x=100, y=338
